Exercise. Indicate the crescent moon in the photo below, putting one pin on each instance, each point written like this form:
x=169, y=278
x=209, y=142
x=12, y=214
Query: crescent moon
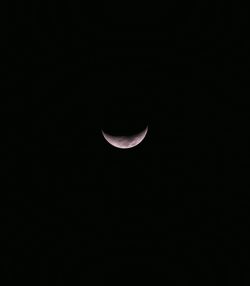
x=125, y=142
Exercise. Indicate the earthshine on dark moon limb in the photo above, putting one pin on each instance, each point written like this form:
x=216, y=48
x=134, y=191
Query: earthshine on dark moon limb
x=125, y=142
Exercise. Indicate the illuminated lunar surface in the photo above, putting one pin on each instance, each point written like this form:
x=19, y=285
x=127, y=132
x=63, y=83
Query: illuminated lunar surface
x=125, y=142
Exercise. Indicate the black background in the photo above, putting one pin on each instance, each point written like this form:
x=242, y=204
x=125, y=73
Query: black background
x=178, y=202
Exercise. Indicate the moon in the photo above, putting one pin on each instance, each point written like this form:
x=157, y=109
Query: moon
x=125, y=142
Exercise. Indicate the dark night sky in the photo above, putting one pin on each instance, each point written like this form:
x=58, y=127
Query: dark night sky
x=176, y=202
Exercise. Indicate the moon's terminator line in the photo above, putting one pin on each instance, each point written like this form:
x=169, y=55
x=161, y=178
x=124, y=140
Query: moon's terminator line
x=125, y=142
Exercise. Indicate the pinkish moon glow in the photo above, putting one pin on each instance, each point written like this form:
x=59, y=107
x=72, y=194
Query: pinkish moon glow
x=125, y=142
